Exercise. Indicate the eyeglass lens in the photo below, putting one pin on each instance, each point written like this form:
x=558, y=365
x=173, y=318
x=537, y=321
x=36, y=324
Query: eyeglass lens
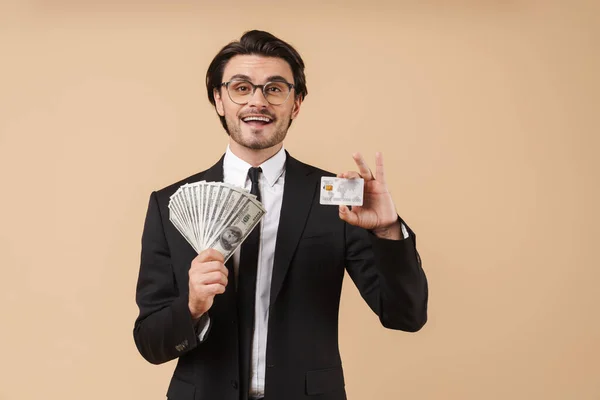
x=276, y=93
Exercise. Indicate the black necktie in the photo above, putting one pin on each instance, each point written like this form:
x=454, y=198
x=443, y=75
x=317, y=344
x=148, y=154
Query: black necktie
x=247, y=288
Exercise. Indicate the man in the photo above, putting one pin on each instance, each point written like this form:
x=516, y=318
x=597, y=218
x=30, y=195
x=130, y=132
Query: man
x=265, y=324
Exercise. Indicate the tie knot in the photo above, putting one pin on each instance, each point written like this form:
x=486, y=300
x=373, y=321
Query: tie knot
x=253, y=174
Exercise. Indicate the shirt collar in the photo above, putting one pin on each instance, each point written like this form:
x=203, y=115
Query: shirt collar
x=235, y=170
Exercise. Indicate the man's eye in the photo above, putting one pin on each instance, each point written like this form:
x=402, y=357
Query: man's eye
x=242, y=88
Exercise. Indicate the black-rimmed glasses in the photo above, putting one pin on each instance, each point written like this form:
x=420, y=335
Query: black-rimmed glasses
x=241, y=91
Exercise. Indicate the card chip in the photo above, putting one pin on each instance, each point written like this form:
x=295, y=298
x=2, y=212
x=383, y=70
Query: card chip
x=329, y=187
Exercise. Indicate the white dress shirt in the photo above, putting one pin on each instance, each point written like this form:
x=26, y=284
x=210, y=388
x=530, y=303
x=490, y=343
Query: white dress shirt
x=271, y=182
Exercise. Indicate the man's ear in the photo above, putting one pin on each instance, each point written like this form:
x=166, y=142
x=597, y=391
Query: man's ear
x=296, y=108
x=218, y=102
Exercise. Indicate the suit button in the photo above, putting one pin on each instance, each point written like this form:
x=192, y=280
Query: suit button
x=234, y=384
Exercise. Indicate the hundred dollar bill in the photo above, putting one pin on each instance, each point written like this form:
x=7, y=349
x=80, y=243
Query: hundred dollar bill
x=178, y=205
x=180, y=224
x=209, y=205
x=232, y=201
x=218, y=194
x=238, y=228
x=336, y=191
x=189, y=204
x=195, y=199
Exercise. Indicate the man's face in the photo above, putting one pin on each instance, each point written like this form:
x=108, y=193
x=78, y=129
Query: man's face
x=258, y=70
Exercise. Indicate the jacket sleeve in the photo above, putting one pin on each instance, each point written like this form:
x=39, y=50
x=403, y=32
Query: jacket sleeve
x=389, y=276
x=164, y=329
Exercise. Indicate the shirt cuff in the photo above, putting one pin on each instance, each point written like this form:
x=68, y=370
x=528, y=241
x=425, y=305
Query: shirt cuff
x=202, y=327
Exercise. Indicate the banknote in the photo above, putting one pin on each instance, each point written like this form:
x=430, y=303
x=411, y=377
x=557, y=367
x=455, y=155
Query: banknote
x=237, y=228
x=214, y=215
x=231, y=203
x=337, y=191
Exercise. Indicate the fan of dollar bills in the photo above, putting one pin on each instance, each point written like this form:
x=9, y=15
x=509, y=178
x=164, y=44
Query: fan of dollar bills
x=214, y=215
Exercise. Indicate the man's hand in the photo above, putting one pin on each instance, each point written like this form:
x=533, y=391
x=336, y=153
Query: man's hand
x=207, y=278
x=378, y=212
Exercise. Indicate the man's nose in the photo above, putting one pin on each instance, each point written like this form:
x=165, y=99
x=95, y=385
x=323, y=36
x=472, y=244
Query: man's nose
x=258, y=99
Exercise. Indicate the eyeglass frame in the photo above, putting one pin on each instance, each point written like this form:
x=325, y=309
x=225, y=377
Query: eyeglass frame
x=262, y=89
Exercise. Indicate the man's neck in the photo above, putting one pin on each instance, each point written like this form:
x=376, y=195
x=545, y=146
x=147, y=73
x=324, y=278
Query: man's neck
x=252, y=156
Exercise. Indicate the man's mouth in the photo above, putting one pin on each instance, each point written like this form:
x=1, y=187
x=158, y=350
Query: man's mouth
x=257, y=120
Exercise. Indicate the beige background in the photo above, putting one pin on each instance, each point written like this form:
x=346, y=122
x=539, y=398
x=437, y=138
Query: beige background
x=487, y=113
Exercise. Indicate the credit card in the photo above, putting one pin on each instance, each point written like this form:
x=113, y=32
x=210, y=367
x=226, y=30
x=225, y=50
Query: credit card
x=336, y=191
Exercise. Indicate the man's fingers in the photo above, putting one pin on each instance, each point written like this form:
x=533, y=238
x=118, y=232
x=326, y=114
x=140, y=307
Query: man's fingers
x=210, y=255
x=210, y=278
x=347, y=215
x=209, y=266
x=204, y=278
x=215, y=289
x=349, y=175
x=363, y=168
x=380, y=175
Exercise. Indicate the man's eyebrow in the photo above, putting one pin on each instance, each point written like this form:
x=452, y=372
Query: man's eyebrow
x=277, y=78
x=272, y=78
x=240, y=76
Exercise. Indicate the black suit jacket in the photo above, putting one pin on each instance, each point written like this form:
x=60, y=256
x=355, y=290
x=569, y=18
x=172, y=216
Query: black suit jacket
x=313, y=247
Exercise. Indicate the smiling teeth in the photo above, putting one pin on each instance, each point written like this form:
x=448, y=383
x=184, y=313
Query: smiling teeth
x=263, y=119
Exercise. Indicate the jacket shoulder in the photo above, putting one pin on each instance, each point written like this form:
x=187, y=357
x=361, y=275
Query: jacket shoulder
x=310, y=169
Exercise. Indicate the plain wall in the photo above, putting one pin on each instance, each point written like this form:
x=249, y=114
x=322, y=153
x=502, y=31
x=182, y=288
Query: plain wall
x=487, y=115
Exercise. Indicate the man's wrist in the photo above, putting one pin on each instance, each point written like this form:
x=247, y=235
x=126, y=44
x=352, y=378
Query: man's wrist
x=194, y=313
x=392, y=232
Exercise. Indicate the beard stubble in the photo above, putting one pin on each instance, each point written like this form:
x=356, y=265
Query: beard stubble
x=234, y=130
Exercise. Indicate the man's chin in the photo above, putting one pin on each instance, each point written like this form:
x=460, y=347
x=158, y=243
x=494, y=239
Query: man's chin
x=258, y=145
x=257, y=139
x=255, y=144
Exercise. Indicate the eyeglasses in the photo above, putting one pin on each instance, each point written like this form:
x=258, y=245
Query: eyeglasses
x=276, y=93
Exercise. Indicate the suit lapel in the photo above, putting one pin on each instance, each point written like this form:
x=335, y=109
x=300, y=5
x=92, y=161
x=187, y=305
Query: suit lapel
x=299, y=189
x=215, y=173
